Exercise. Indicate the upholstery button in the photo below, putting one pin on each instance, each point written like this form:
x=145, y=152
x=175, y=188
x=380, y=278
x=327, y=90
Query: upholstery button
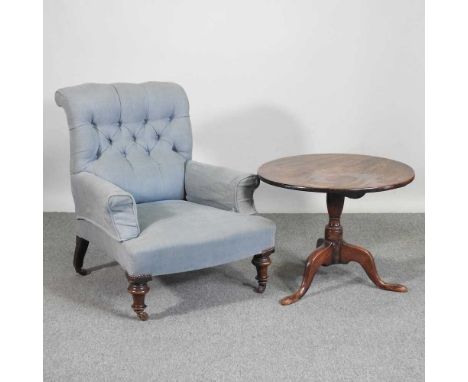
x=119, y=123
x=109, y=140
x=145, y=121
x=133, y=138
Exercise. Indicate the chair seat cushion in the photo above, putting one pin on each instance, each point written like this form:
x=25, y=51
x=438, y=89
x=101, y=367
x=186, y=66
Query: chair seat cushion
x=178, y=236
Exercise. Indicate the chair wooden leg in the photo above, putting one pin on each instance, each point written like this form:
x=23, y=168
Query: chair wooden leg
x=80, y=252
x=261, y=262
x=138, y=287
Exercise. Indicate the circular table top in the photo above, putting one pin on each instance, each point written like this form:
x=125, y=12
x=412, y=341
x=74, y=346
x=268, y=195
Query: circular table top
x=336, y=173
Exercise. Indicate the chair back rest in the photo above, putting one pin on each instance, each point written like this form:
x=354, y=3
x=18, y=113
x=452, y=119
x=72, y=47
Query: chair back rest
x=137, y=136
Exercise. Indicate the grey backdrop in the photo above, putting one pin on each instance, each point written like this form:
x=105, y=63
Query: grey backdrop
x=265, y=79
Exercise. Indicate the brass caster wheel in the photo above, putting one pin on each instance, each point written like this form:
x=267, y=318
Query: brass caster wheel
x=143, y=316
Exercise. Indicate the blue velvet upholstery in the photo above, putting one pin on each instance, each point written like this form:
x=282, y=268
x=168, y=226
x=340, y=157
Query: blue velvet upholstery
x=138, y=195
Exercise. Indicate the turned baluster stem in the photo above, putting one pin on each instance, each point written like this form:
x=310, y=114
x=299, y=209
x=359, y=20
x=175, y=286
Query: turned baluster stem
x=334, y=230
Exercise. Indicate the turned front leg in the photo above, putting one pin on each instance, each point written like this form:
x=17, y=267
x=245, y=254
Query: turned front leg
x=138, y=288
x=261, y=262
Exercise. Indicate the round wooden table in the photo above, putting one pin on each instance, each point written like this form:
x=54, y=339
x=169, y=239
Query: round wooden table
x=339, y=176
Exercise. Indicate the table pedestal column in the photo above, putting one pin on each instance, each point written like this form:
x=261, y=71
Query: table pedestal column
x=334, y=250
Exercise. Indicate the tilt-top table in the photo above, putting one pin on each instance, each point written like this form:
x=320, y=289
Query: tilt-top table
x=339, y=176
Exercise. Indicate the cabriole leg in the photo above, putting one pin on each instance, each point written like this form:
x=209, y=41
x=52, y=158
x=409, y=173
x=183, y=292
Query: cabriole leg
x=322, y=255
x=362, y=256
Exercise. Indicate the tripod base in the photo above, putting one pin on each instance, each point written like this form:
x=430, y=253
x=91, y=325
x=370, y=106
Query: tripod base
x=334, y=250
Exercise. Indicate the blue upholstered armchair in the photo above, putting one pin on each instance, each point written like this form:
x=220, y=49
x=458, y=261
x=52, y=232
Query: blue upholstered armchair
x=139, y=196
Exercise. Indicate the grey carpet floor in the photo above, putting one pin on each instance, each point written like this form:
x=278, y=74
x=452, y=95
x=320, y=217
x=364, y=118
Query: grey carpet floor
x=209, y=325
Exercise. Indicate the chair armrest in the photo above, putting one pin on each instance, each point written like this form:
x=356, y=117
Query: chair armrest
x=105, y=205
x=220, y=187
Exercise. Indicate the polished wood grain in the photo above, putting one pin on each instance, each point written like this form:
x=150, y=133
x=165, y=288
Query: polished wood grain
x=349, y=174
x=339, y=176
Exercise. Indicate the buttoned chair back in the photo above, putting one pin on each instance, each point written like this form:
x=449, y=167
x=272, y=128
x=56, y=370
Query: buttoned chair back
x=136, y=136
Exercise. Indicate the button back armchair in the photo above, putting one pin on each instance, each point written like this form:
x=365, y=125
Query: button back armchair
x=140, y=198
